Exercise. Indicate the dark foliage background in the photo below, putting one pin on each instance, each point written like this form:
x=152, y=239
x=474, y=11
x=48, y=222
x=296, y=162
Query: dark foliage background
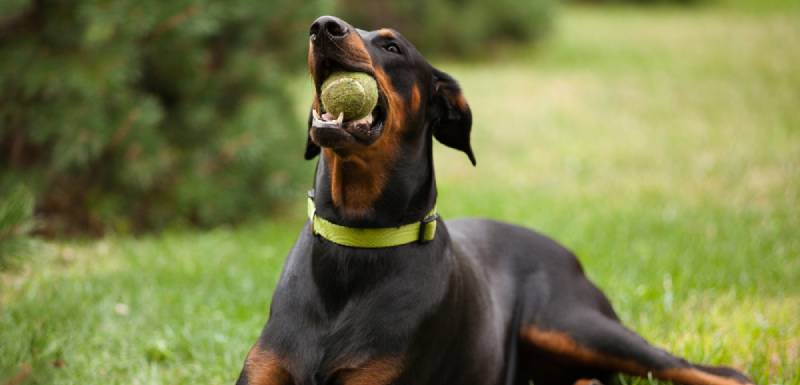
x=455, y=27
x=134, y=115
x=137, y=114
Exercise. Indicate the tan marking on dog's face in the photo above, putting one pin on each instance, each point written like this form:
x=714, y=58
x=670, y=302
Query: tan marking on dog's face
x=354, y=49
x=415, y=99
x=396, y=117
x=265, y=368
x=358, y=178
x=312, y=61
x=314, y=101
x=386, y=33
x=376, y=372
x=355, y=183
x=359, y=172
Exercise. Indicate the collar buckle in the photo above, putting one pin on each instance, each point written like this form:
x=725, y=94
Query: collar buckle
x=423, y=227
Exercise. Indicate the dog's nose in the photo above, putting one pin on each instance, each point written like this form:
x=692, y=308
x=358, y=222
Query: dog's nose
x=329, y=27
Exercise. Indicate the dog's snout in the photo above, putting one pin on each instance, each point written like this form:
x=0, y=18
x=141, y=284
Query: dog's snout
x=329, y=27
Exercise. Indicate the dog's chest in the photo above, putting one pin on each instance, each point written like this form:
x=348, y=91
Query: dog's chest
x=330, y=318
x=334, y=319
x=365, y=336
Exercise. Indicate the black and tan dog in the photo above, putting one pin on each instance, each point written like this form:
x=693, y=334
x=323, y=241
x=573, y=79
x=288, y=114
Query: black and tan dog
x=453, y=303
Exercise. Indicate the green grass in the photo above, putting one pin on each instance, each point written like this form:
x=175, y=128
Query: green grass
x=662, y=145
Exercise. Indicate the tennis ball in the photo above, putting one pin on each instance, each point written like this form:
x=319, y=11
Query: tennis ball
x=353, y=93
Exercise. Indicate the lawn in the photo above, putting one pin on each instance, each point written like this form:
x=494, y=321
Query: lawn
x=661, y=145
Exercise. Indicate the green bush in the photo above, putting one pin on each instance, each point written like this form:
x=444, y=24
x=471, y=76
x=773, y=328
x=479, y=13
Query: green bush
x=454, y=27
x=16, y=212
x=135, y=114
x=639, y=1
x=138, y=114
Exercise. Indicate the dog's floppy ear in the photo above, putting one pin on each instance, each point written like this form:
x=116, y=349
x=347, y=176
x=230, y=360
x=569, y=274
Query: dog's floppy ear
x=312, y=149
x=452, y=118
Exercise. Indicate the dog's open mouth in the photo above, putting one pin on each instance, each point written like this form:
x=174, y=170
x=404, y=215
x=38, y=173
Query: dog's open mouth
x=364, y=130
x=328, y=130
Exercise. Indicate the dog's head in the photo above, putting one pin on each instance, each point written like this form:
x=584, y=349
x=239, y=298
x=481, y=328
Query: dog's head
x=415, y=100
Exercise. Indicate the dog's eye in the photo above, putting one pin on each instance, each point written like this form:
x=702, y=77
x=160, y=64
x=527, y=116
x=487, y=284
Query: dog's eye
x=392, y=47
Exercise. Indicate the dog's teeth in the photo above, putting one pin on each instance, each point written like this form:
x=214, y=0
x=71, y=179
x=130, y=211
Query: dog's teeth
x=326, y=120
x=340, y=119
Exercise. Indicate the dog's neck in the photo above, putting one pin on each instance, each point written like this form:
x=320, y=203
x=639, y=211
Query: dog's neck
x=374, y=190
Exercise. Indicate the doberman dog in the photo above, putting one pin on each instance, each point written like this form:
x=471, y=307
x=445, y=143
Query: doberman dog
x=477, y=302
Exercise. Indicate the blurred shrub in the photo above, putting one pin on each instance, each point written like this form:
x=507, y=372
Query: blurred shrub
x=454, y=27
x=16, y=211
x=638, y=1
x=135, y=114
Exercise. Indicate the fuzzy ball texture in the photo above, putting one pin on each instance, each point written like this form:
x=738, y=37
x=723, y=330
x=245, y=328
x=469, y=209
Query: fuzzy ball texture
x=353, y=93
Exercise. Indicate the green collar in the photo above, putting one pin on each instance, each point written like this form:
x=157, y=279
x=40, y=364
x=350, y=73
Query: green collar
x=373, y=238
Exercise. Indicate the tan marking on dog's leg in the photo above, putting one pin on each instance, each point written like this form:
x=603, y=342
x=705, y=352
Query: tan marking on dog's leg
x=694, y=376
x=562, y=344
x=376, y=372
x=588, y=381
x=265, y=368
